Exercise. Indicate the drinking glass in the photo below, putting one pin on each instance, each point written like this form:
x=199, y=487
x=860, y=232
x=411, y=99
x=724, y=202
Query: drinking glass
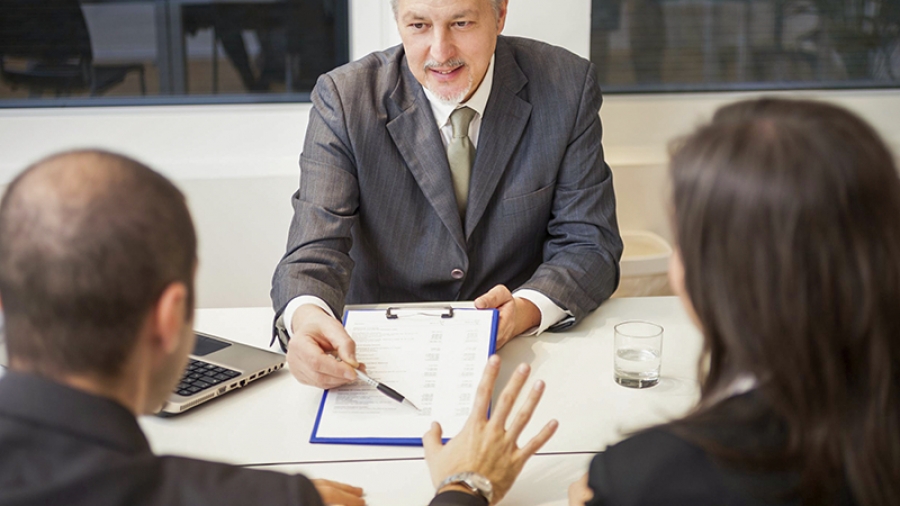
x=638, y=353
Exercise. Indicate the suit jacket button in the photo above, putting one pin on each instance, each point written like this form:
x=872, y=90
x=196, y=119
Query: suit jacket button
x=457, y=273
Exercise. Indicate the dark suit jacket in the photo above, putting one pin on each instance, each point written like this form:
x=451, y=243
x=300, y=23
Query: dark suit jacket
x=60, y=446
x=658, y=467
x=375, y=217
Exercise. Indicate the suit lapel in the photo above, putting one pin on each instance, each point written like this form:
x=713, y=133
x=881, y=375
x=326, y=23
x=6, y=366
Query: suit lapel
x=505, y=119
x=416, y=136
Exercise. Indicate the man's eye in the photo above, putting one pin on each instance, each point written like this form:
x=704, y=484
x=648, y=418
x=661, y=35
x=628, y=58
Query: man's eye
x=463, y=24
x=418, y=26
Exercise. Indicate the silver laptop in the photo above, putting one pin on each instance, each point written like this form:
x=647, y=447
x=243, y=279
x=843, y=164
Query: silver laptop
x=218, y=366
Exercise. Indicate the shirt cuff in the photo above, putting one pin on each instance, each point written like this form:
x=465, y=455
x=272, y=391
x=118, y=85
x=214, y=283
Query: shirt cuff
x=457, y=498
x=551, y=314
x=295, y=304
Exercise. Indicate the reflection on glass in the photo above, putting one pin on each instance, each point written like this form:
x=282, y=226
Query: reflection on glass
x=653, y=45
x=170, y=48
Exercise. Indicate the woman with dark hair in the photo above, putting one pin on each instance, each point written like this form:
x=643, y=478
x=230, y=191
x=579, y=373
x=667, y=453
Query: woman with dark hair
x=787, y=219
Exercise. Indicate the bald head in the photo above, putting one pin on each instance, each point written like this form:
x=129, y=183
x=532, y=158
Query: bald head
x=88, y=242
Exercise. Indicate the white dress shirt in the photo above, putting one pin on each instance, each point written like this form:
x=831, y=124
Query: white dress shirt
x=551, y=314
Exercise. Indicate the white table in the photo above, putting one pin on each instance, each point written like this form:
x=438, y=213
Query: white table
x=270, y=422
x=544, y=481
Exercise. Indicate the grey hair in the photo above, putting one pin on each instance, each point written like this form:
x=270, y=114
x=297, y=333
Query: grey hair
x=496, y=4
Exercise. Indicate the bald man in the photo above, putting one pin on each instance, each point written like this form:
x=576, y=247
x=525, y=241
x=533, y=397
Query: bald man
x=97, y=261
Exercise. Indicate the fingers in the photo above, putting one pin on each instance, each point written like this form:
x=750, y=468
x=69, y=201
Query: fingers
x=335, y=493
x=312, y=366
x=341, y=486
x=340, y=341
x=431, y=441
x=347, y=351
x=509, y=394
x=434, y=455
x=332, y=336
x=524, y=415
x=313, y=321
x=580, y=492
x=503, y=335
x=535, y=443
x=495, y=297
x=485, y=390
x=315, y=334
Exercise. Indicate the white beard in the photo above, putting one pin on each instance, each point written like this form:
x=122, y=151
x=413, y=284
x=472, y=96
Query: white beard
x=455, y=98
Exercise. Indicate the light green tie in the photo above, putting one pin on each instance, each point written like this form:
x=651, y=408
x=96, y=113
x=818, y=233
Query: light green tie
x=461, y=154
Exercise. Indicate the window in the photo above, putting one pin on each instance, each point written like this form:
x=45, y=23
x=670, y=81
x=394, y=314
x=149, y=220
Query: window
x=698, y=45
x=94, y=52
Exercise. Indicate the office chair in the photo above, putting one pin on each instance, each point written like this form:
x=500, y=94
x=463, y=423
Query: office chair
x=45, y=45
x=296, y=38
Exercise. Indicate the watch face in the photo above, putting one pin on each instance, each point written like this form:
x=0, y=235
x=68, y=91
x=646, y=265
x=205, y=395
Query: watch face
x=482, y=484
x=474, y=481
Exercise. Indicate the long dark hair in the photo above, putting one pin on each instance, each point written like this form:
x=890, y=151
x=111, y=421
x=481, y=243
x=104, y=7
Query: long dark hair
x=787, y=216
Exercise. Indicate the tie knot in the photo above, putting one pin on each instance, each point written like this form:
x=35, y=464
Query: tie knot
x=460, y=120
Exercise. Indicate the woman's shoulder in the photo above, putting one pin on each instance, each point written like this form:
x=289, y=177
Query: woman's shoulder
x=666, y=465
x=654, y=467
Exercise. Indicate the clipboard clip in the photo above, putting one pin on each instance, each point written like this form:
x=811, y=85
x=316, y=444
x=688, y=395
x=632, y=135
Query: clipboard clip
x=443, y=312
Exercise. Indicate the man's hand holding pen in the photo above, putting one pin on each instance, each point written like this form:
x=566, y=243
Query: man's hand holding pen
x=317, y=335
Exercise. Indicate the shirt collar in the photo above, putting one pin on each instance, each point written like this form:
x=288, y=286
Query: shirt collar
x=741, y=384
x=478, y=102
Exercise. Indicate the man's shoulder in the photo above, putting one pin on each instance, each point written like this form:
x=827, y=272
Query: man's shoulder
x=557, y=78
x=657, y=467
x=657, y=447
x=226, y=484
x=380, y=69
x=541, y=57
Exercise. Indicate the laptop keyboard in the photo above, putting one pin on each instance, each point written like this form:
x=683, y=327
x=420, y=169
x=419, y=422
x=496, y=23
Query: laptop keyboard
x=202, y=375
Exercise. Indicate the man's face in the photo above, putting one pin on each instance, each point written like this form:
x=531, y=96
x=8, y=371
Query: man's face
x=449, y=43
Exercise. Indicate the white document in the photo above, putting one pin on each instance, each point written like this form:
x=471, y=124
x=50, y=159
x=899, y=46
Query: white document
x=433, y=361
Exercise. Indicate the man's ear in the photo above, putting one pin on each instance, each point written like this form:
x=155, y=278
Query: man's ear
x=501, y=16
x=168, y=317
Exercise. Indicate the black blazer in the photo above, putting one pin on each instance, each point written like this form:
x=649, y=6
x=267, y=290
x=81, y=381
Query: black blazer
x=657, y=467
x=63, y=446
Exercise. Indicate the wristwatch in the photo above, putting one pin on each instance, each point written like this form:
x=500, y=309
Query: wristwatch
x=473, y=481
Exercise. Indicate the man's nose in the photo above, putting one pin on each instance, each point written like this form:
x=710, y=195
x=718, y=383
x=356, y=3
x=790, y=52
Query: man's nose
x=442, y=47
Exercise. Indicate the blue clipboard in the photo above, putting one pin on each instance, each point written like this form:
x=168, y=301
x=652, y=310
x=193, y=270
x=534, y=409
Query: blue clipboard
x=393, y=313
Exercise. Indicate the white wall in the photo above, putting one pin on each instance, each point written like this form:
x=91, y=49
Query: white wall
x=238, y=164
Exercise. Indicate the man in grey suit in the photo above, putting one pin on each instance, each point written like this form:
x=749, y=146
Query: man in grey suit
x=448, y=168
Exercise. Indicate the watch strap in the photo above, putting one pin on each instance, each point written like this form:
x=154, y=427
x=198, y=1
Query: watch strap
x=470, y=480
x=457, y=498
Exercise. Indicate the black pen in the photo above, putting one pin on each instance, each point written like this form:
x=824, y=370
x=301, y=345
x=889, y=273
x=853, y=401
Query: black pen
x=386, y=390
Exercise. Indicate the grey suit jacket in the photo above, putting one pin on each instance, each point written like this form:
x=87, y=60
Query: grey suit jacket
x=375, y=216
